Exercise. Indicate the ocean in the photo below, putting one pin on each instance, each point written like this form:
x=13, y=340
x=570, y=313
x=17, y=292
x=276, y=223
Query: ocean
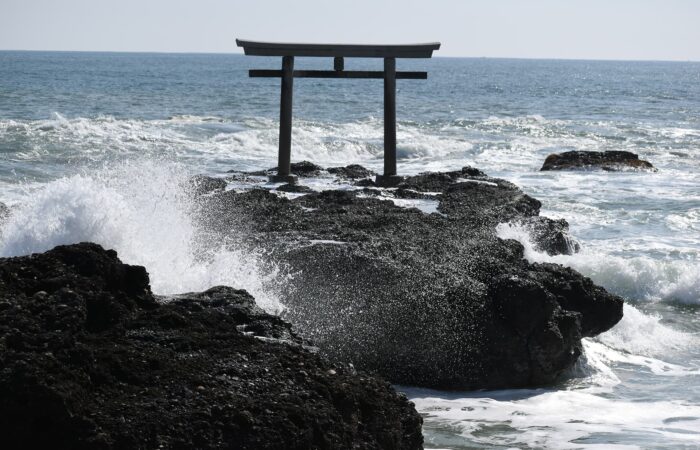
x=98, y=146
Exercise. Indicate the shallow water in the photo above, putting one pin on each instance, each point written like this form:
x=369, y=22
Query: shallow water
x=98, y=147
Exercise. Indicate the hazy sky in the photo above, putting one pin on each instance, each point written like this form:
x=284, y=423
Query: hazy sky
x=590, y=29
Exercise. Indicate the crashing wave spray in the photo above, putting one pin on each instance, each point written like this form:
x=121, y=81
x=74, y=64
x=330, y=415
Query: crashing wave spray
x=638, y=278
x=143, y=210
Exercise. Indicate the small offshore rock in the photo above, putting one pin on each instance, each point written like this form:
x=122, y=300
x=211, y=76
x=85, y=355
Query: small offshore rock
x=611, y=161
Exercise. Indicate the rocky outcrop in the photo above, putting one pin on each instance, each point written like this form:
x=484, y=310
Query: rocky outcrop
x=549, y=235
x=297, y=188
x=353, y=171
x=309, y=169
x=436, y=300
x=612, y=161
x=90, y=359
x=202, y=184
x=300, y=169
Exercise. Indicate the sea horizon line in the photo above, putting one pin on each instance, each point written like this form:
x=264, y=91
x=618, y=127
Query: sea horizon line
x=235, y=53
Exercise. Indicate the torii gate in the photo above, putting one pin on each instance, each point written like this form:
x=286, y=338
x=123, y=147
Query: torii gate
x=337, y=51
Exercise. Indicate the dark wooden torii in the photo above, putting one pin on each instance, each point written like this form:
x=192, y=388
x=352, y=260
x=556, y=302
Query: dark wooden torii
x=338, y=51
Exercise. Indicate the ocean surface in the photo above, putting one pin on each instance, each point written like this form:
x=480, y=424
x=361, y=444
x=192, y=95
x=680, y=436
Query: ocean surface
x=97, y=146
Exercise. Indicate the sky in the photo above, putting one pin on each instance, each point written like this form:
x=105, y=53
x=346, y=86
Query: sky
x=571, y=29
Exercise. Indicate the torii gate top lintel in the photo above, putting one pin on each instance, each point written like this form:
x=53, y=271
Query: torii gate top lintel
x=257, y=48
x=338, y=51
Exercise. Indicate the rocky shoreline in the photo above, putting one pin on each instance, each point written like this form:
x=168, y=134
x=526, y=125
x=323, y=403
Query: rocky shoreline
x=90, y=359
x=410, y=284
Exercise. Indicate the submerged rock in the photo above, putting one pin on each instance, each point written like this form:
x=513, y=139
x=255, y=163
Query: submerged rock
x=613, y=161
x=436, y=300
x=90, y=359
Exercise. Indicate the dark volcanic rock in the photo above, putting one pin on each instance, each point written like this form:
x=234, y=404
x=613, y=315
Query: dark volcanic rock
x=353, y=171
x=202, y=184
x=306, y=169
x=365, y=182
x=294, y=188
x=301, y=169
x=438, y=181
x=435, y=300
x=89, y=359
x=549, y=235
x=612, y=161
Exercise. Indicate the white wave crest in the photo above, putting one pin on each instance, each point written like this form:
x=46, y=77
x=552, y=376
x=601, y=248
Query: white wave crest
x=644, y=334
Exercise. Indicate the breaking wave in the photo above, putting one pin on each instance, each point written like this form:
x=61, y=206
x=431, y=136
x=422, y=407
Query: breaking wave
x=143, y=210
x=637, y=277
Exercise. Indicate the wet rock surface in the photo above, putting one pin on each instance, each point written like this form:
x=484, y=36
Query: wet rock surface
x=297, y=188
x=300, y=169
x=612, y=161
x=435, y=300
x=353, y=171
x=91, y=359
x=202, y=184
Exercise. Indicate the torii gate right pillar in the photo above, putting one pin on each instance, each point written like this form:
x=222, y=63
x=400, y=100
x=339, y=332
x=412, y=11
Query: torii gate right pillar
x=389, y=117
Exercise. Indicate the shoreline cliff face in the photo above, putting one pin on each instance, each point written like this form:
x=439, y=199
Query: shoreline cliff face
x=435, y=300
x=91, y=359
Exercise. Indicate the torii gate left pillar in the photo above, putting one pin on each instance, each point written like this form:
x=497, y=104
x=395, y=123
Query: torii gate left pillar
x=285, y=144
x=338, y=51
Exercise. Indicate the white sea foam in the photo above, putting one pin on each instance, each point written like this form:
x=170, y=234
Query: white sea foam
x=585, y=413
x=635, y=277
x=498, y=145
x=141, y=209
x=644, y=334
x=541, y=418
